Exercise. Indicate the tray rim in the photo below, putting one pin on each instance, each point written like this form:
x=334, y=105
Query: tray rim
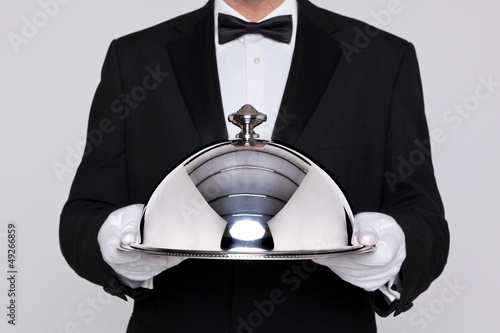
x=262, y=255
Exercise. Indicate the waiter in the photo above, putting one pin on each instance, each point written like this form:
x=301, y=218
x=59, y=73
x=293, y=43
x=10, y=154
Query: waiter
x=167, y=90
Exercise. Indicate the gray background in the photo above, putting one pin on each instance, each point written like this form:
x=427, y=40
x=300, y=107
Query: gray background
x=47, y=84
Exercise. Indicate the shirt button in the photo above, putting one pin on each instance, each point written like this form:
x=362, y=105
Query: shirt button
x=256, y=60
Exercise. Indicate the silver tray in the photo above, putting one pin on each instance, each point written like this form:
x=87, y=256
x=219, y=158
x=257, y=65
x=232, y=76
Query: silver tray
x=261, y=255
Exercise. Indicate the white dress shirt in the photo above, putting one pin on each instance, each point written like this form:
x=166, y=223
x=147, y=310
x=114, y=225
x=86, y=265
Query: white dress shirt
x=254, y=69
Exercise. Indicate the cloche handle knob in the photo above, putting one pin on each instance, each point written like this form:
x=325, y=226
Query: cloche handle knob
x=247, y=118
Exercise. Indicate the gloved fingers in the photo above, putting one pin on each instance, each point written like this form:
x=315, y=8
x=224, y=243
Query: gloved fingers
x=112, y=255
x=348, y=264
x=360, y=271
x=138, y=271
x=369, y=282
x=129, y=232
x=377, y=258
x=130, y=221
x=377, y=278
x=323, y=261
x=360, y=266
x=364, y=276
x=371, y=270
x=145, y=268
x=367, y=236
x=153, y=260
x=129, y=238
x=366, y=229
x=382, y=231
x=392, y=236
x=390, y=248
x=174, y=261
x=341, y=265
x=136, y=275
x=361, y=275
x=109, y=239
x=382, y=255
x=110, y=232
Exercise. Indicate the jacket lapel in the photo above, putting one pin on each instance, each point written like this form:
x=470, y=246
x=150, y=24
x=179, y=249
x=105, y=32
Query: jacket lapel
x=315, y=59
x=195, y=66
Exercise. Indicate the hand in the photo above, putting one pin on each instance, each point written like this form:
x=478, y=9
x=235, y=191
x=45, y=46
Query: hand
x=122, y=227
x=372, y=270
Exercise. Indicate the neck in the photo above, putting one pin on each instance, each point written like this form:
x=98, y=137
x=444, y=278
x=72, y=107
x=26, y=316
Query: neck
x=254, y=10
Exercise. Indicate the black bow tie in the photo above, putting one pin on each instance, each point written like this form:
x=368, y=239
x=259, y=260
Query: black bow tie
x=278, y=28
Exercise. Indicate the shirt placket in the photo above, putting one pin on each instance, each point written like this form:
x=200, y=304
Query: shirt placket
x=254, y=75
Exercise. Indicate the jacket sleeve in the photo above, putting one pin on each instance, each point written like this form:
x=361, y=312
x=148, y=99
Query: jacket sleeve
x=100, y=184
x=410, y=193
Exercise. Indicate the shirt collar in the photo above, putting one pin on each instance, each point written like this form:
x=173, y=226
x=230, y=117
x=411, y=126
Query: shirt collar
x=288, y=7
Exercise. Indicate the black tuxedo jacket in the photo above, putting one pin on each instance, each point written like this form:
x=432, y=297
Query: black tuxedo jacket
x=353, y=102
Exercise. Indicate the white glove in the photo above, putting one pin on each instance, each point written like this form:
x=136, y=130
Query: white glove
x=122, y=227
x=371, y=271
